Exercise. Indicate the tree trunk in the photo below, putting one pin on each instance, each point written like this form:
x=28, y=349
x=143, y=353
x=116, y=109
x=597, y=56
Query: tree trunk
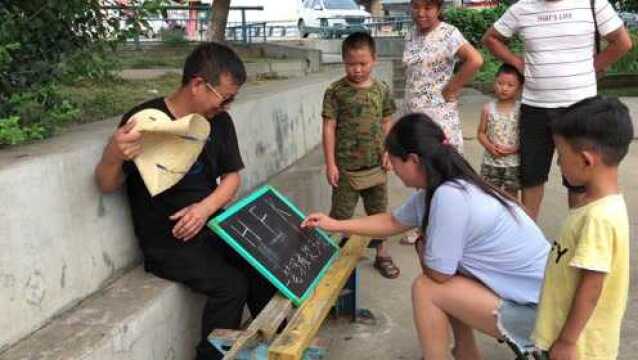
x=218, y=20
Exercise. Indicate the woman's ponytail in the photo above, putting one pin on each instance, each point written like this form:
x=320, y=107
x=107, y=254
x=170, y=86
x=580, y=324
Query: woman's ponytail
x=417, y=134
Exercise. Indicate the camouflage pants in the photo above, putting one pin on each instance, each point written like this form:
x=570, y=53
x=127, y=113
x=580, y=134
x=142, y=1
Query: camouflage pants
x=505, y=178
x=345, y=198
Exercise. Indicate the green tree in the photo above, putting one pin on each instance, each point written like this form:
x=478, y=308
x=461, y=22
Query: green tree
x=43, y=43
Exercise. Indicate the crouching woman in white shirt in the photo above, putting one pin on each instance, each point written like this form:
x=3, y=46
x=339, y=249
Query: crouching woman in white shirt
x=482, y=257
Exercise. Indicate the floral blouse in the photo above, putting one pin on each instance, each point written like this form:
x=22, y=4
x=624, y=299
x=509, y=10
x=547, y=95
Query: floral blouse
x=502, y=129
x=429, y=61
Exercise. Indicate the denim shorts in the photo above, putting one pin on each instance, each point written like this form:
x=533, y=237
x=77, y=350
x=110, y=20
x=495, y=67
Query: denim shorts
x=516, y=322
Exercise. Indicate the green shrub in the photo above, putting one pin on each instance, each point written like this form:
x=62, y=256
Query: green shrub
x=173, y=37
x=47, y=43
x=87, y=64
x=473, y=23
x=629, y=62
x=11, y=132
x=35, y=114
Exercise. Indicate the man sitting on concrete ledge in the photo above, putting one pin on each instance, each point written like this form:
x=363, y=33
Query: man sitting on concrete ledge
x=170, y=226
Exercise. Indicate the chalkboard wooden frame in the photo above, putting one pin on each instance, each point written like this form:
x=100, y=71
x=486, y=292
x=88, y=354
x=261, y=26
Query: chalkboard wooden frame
x=215, y=225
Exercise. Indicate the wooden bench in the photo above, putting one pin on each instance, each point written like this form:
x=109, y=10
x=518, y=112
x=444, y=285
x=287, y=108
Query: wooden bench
x=303, y=322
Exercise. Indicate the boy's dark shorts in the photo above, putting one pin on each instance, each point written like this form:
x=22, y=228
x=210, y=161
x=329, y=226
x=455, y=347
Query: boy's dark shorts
x=537, y=145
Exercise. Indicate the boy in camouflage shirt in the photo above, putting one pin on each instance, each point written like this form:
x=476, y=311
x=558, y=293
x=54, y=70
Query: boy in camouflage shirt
x=357, y=111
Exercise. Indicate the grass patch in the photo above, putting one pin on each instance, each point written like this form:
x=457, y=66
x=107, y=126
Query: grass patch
x=153, y=57
x=98, y=101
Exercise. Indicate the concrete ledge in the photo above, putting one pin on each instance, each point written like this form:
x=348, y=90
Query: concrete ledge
x=61, y=240
x=254, y=70
x=137, y=317
x=385, y=46
x=283, y=68
x=287, y=50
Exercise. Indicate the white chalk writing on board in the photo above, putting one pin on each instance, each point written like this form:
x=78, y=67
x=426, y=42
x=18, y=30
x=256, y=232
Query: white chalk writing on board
x=270, y=231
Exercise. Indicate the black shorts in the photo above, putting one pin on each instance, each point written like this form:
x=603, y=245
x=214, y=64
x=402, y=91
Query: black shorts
x=536, y=143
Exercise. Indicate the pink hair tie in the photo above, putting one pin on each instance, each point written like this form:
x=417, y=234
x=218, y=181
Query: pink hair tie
x=445, y=141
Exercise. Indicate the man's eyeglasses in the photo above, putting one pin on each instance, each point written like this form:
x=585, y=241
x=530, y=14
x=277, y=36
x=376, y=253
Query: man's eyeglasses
x=225, y=102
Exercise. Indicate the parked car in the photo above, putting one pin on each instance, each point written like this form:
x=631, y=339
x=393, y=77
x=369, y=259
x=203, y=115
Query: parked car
x=331, y=18
x=630, y=19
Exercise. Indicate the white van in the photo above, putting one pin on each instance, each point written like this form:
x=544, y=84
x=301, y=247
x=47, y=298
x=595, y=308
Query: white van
x=331, y=17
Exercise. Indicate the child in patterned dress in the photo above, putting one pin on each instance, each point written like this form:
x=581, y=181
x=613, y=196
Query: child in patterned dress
x=498, y=132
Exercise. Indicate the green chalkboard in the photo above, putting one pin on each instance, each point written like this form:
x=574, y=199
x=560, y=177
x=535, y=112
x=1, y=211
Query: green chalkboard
x=264, y=229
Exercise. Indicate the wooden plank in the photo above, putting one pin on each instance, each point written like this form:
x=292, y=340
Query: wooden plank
x=224, y=338
x=272, y=316
x=263, y=327
x=303, y=326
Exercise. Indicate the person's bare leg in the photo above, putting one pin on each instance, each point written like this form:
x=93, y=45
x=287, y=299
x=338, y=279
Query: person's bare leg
x=381, y=250
x=431, y=323
x=464, y=299
x=465, y=347
x=531, y=199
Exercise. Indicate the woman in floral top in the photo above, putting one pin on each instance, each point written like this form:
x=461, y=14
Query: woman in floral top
x=431, y=51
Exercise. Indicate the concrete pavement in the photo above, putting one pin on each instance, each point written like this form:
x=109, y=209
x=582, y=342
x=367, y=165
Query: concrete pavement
x=394, y=336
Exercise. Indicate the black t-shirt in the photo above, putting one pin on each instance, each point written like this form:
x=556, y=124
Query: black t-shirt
x=151, y=214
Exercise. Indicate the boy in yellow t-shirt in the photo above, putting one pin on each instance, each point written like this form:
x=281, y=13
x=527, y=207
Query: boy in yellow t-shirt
x=587, y=275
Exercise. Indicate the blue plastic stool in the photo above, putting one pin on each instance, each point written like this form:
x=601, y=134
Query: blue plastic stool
x=347, y=301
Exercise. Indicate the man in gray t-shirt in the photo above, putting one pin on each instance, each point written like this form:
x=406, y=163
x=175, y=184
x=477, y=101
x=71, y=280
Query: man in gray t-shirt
x=471, y=233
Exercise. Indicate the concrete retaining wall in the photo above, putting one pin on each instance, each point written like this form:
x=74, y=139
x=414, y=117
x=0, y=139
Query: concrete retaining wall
x=255, y=70
x=290, y=50
x=386, y=46
x=287, y=68
x=62, y=241
x=138, y=317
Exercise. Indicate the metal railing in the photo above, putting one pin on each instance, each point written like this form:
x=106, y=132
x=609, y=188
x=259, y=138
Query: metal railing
x=262, y=31
x=191, y=23
x=192, y=20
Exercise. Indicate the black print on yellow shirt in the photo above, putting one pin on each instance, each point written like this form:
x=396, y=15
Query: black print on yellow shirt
x=560, y=251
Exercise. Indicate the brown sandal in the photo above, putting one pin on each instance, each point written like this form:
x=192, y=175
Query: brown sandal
x=386, y=267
